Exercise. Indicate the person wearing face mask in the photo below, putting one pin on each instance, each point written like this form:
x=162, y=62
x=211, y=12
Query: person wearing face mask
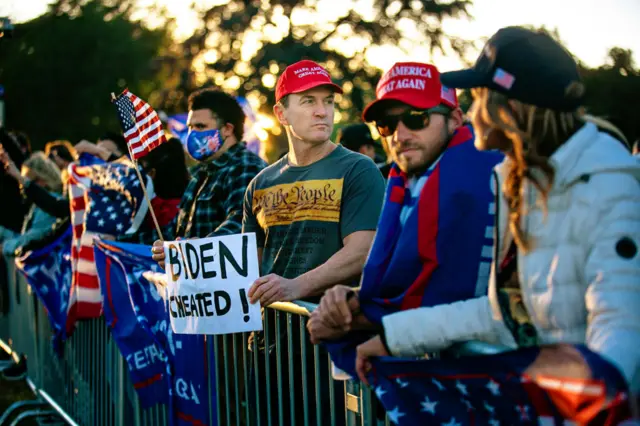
x=213, y=200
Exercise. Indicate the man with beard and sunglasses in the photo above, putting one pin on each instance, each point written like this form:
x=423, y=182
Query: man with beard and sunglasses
x=434, y=239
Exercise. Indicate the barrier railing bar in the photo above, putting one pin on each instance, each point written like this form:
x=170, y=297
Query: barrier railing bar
x=303, y=361
x=316, y=363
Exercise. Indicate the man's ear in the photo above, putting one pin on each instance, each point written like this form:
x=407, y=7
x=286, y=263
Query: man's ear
x=279, y=112
x=226, y=130
x=456, y=119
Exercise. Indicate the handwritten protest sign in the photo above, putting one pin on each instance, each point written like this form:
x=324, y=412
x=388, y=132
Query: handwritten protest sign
x=207, y=284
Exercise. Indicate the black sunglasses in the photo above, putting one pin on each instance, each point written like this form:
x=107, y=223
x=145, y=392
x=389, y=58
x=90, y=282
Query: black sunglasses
x=412, y=118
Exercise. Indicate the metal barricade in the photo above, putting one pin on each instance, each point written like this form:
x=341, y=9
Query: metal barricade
x=278, y=379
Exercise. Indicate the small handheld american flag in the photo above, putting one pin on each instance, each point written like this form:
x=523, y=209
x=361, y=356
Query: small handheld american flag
x=141, y=125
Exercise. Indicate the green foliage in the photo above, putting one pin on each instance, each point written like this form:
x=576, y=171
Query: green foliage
x=283, y=39
x=613, y=92
x=60, y=68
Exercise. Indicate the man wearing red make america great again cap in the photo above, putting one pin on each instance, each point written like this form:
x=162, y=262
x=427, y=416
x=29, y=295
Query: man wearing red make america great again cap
x=434, y=240
x=314, y=211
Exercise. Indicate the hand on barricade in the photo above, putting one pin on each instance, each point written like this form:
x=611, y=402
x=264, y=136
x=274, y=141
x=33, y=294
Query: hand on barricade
x=274, y=288
x=158, y=252
x=371, y=348
x=338, y=307
x=319, y=330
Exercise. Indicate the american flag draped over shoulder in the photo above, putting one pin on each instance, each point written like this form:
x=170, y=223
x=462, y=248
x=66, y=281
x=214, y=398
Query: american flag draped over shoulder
x=141, y=125
x=105, y=200
x=504, y=389
x=446, y=238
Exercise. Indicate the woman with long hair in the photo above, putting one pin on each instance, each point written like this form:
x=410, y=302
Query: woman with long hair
x=566, y=268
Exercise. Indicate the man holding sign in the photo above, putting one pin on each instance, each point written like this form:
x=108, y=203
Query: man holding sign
x=314, y=213
x=207, y=284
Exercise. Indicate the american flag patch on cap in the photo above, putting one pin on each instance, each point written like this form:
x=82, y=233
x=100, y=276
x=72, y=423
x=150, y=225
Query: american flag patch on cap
x=503, y=78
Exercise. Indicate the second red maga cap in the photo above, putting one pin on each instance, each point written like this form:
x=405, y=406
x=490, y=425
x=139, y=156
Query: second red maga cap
x=302, y=76
x=413, y=83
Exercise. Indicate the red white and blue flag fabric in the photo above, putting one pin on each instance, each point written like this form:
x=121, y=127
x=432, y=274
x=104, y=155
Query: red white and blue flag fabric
x=140, y=123
x=512, y=388
x=146, y=361
x=106, y=200
x=48, y=272
x=443, y=251
x=187, y=376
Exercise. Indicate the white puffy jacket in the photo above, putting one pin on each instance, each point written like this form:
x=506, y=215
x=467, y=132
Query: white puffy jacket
x=581, y=280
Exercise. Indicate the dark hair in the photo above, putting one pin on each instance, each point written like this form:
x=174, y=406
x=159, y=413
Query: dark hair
x=23, y=141
x=353, y=136
x=171, y=176
x=63, y=149
x=118, y=139
x=222, y=105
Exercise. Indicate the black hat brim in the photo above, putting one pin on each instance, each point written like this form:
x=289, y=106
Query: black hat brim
x=464, y=79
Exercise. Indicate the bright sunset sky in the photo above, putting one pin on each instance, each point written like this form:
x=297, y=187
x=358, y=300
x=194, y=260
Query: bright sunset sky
x=588, y=27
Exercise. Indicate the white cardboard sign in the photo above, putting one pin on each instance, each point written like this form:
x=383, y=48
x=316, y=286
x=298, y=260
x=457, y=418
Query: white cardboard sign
x=207, y=284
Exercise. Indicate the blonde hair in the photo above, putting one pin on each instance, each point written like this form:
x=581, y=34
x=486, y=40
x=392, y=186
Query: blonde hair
x=44, y=169
x=535, y=134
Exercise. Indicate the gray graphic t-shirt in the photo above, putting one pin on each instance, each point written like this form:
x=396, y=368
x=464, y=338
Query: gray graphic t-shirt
x=302, y=214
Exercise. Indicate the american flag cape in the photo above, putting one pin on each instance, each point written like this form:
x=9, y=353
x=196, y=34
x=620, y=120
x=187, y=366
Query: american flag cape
x=495, y=390
x=443, y=252
x=188, y=362
x=48, y=272
x=105, y=200
x=140, y=123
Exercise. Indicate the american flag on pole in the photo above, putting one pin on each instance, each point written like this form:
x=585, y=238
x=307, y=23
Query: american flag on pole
x=504, y=389
x=141, y=125
x=106, y=200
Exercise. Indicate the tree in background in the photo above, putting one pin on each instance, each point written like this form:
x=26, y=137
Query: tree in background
x=244, y=45
x=612, y=89
x=613, y=92
x=60, y=68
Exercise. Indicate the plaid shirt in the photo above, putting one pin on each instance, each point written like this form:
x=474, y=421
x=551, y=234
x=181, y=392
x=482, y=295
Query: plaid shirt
x=212, y=203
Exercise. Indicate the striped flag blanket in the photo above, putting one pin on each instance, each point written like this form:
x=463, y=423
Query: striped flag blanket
x=106, y=200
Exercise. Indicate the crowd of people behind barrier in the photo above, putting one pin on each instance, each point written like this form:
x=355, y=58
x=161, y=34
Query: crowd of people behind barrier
x=516, y=223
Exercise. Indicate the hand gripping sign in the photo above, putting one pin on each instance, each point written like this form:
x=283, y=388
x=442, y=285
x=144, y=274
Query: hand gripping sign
x=207, y=284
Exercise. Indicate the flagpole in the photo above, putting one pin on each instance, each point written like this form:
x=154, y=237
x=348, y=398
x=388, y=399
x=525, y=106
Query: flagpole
x=144, y=187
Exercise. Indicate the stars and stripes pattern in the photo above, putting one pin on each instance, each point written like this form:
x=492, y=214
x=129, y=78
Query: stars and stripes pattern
x=105, y=200
x=140, y=123
x=503, y=78
x=497, y=390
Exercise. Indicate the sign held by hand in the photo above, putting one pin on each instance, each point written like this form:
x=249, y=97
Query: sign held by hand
x=207, y=284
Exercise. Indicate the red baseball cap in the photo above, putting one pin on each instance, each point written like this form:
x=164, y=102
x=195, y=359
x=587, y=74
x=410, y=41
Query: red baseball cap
x=302, y=76
x=413, y=83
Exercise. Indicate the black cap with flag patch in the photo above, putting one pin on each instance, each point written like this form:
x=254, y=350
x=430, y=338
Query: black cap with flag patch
x=525, y=65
